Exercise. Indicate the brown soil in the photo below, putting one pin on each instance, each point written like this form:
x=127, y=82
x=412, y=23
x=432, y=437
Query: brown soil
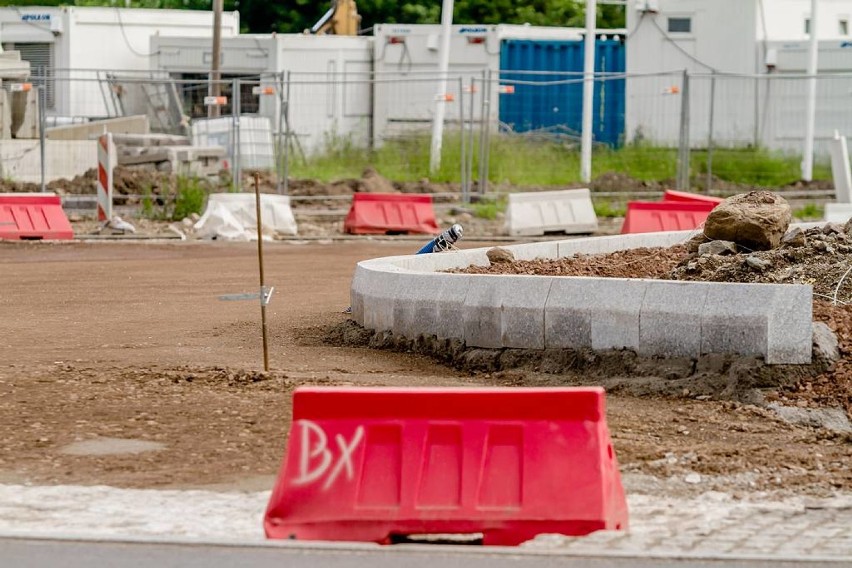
x=129, y=340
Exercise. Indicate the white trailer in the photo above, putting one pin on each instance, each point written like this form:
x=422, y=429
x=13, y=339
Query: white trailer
x=406, y=66
x=74, y=46
x=758, y=51
x=329, y=90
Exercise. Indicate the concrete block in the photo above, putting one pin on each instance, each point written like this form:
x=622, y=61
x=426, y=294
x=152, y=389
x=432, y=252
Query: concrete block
x=414, y=309
x=450, y=299
x=569, y=211
x=25, y=120
x=840, y=170
x=837, y=212
x=356, y=292
x=5, y=116
x=670, y=318
x=147, y=139
x=734, y=321
x=483, y=325
x=790, y=323
x=523, y=299
x=429, y=304
x=568, y=313
x=64, y=159
x=378, y=295
x=122, y=126
x=615, y=316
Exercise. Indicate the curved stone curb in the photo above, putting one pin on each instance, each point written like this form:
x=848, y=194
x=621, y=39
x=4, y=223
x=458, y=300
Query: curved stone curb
x=410, y=297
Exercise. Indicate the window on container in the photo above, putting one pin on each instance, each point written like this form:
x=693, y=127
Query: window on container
x=40, y=57
x=807, y=26
x=843, y=26
x=680, y=25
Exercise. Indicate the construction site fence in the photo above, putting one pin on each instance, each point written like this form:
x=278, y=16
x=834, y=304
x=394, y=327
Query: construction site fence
x=683, y=116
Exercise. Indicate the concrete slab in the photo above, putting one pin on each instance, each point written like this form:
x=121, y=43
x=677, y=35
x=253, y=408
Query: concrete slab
x=536, y=213
x=670, y=318
x=123, y=125
x=568, y=314
x=733, y=322
x=616, y=306
x=111, y=447
x=414, y=309
x=840, y=170
x=790, y=323
x=450, y=299
x=481, y=312
x=523, y=299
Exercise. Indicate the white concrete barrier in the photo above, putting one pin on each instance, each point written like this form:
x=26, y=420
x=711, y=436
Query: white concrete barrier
x=837, y=212
x=536, y=213
x=840, y=170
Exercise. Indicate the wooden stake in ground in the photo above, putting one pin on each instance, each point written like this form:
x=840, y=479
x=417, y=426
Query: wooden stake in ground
x=264, y=294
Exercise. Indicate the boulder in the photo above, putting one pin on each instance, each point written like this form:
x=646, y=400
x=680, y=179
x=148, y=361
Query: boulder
x=756, y=220
x=795, y=237
x=498, y=255
x=717, y=247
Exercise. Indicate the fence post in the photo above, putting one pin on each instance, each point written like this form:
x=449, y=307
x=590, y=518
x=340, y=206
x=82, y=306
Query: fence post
x=235, y=139
x=469, y=164
x=485, y=142
x=463, y=145
x=757, y=112
x=40, y=93
x=287, y=135
x=683, y=148
x=709, y=182
x=278, y=147
x=482, y=126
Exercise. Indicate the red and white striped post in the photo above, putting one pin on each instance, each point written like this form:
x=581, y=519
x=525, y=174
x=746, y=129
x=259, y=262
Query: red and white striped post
x=105, y=166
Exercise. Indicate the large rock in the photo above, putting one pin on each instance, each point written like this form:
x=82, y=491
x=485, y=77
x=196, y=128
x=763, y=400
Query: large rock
x=756, y=220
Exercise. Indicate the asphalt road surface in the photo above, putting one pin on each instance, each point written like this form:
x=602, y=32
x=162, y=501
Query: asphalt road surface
x=29, y=552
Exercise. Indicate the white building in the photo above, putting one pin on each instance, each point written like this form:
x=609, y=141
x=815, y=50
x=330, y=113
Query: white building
x=330, y=92
x=763, y=41
x=57, y=40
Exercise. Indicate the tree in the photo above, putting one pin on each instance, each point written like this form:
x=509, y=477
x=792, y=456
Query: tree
x=295, y=16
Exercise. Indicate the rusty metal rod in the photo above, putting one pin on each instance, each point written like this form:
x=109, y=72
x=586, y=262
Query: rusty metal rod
x=260, y=264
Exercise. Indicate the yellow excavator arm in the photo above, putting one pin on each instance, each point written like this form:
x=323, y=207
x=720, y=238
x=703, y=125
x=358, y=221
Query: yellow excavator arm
x=341, y=19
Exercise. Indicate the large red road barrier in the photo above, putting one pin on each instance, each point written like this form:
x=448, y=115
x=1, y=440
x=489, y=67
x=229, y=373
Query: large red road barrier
x=650, y=217
x=374, y=464
x=683, y=196
x=382, y=213
x=33, y=216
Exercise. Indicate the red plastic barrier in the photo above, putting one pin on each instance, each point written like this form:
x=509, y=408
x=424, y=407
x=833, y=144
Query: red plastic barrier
x=682, y=196
x=650, y=217
x=373, y=464
x=381, y=213
x=33, y=216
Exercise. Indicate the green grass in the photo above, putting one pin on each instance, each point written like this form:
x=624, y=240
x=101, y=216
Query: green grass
x=189, y=198
x=527, y=161
x=809, y=212
x=609, y=209
x=488, y=208
x=185, y=198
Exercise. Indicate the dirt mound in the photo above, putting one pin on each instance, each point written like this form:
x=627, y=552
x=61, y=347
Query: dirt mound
x=818, y=257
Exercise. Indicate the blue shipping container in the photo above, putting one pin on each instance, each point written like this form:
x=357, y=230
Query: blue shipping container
x=555, y=102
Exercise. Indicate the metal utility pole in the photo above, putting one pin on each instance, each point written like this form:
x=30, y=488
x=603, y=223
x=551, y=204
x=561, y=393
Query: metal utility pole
x=441, y=96
x=215, y=89
x=588, y=92
x=810, y=113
